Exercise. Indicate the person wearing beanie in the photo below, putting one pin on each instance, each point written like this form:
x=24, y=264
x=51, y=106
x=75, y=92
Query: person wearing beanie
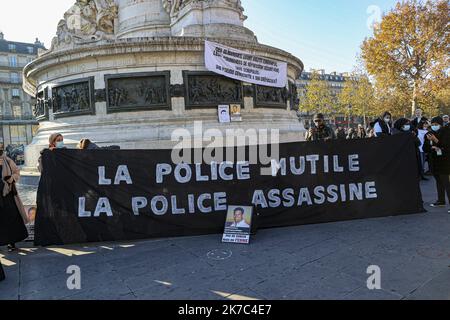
x=437, y=144
x=320, y=131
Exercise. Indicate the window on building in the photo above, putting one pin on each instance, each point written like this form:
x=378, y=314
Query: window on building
x=15, y=93
x=17, y=111
x=13, y=61
x=30, y=50
x=12, y=47
x=14, y=77
x=18, y=135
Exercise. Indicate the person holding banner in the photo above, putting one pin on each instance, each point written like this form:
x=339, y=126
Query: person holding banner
x=12, y=212
x=320, y=131
x=437, y=144
x=55, y=141
x=383, y=126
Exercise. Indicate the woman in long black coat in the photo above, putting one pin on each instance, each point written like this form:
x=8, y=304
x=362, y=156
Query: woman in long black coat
x=12, y=212
x=437, y=144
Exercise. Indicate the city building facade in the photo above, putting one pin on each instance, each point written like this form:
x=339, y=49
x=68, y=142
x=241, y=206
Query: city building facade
x=17, y=123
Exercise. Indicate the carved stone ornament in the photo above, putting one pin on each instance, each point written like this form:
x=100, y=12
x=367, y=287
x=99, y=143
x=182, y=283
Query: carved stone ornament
x=86, y=20
x=271, y=97
x=210, y=90
x=73, y=98
x=173, y=7
x=139, y=91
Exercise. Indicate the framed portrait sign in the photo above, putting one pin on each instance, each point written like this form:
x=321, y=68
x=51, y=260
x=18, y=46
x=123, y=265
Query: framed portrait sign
x=235, y=113
x=238, y=226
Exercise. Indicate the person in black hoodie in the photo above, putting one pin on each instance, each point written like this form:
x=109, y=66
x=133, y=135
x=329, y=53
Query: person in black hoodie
x=383, y=126
x=437, y=144
x=404, y=126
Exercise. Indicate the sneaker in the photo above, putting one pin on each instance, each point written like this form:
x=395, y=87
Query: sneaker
x=11, y=248
x=437, y=205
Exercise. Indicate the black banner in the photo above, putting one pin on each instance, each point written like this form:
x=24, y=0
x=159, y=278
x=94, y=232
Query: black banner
x=101, y=195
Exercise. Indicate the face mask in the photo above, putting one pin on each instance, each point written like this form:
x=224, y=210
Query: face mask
x=435, y=128
x=406, y=127
x=60, y=145
x=387, y=120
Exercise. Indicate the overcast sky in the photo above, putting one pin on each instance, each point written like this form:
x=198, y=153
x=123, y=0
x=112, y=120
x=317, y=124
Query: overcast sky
x=323, y=33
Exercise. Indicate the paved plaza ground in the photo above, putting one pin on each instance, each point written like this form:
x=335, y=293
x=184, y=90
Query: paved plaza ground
x=327, y=261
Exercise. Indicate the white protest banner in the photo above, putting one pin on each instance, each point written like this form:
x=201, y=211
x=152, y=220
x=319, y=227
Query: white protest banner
x=245, y=66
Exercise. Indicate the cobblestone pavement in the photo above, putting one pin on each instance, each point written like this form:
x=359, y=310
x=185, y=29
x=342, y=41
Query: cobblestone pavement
x=327, y=261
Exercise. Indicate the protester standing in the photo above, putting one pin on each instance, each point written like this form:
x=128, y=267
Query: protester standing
x=55, y=141
x=340, y=133
x=86, y=144
x=12, y=214
x=361, y=134
x=422, y=131
x=352, y=134
x=383, y=125
x=320, y=131
x=437, y=144
x=446, y=121
x=418, y=118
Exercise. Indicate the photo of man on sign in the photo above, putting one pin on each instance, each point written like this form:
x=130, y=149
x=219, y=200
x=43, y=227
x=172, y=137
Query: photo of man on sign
x=239, y=218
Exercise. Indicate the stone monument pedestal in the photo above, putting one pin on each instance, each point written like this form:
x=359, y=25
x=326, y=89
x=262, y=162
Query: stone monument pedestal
x=134, y=91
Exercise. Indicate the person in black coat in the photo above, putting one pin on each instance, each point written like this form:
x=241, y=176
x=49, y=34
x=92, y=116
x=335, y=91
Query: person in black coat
x=2, y=273
x=418, y=118
x=403, y=126
x=383, y=125
x=437, y=144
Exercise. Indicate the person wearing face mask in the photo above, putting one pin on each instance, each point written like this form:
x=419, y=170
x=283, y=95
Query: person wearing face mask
x=403, y=126
x=13, y=216
x=320, y=132
x=383, y=126
x=422, y=131
x=437, y=144
x=55, y=142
